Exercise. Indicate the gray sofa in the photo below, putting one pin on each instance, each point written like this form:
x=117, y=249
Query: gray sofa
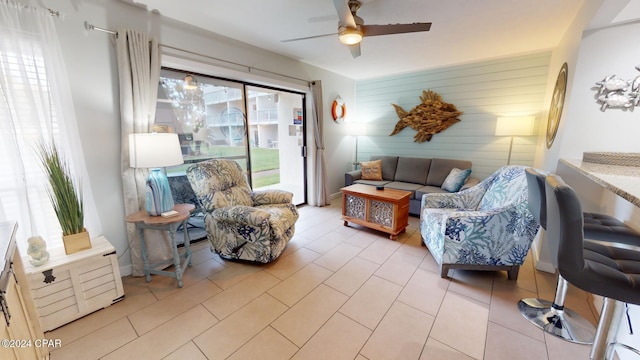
x=418, y=175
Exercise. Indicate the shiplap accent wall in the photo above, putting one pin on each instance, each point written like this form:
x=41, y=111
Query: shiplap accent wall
x=484, y=91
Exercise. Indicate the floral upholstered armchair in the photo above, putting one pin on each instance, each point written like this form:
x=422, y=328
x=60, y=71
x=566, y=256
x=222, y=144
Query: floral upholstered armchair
x=486, y=227
x=242, y=224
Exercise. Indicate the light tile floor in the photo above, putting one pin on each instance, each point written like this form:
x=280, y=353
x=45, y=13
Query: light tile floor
x=336, y=293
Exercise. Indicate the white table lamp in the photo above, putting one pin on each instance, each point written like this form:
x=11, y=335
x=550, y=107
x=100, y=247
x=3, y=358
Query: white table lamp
x=514, y=126
x=155, y=151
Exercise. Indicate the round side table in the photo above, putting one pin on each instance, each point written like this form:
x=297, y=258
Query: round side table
x=143, y=220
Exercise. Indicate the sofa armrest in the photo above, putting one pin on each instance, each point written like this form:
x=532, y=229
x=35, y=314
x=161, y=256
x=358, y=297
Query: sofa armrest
x=351, y=176
x=272, y=196
x=471, y=182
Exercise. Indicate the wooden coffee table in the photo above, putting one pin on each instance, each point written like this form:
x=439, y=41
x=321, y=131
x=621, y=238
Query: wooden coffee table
x=384, y=210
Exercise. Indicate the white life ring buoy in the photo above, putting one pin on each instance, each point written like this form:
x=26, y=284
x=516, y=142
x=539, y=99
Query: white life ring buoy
x=338, y=110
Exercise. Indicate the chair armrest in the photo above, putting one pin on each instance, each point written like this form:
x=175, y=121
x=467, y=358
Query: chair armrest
x=242, y=215
x=482, y=228
x=266, y=197
x=351, y=176
x=463, y=199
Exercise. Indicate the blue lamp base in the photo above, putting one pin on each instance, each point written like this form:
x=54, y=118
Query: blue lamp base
x=158, y=198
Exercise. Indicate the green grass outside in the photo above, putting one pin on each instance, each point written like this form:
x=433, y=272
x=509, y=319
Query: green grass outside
x=261, y=160
x=266, y=180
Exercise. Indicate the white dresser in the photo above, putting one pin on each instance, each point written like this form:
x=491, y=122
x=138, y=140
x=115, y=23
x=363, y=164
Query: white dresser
x=20, y=332
x=68, y=287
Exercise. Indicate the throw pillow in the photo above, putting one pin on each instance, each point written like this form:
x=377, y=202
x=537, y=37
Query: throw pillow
x=455, y=180
x=371, y=170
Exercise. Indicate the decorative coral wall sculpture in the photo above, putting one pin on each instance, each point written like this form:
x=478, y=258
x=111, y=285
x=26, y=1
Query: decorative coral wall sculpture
x=430, y=117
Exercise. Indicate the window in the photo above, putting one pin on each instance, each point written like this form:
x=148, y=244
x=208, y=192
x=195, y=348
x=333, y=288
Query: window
x=259, y=127
x=26, y=116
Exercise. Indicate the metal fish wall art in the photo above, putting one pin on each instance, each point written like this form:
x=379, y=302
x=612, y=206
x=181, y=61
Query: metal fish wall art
x=430, y=117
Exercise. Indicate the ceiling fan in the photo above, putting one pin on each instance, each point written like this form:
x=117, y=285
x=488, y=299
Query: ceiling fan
x=351, y=27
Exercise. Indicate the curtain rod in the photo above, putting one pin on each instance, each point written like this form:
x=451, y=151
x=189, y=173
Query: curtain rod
x=249, y=68
x=52, y=12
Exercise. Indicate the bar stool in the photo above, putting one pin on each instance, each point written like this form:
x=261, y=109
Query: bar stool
x=553, y=317
x=611, y=272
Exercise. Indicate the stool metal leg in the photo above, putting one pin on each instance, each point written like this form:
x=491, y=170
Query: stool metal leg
x=601, y=341
x=554, y=319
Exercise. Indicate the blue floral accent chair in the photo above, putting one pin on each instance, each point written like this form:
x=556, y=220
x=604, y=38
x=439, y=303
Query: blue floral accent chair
x=241, y=223
x=485, y=227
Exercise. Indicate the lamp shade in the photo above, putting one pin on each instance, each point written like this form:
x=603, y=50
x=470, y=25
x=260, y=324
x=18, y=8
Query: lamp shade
x=154, y=150
x=515, y=126
x=357, y=128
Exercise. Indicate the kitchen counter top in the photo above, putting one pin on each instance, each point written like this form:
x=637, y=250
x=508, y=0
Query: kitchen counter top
x=621, y=180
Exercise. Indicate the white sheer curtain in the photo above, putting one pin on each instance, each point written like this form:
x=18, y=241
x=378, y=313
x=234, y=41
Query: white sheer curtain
x=139, y=73
x=35, y=104
x=321, y=195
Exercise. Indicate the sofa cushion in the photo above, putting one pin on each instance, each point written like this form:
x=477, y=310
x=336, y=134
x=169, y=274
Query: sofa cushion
x=440, y=169
x=371, y=170
x=404, y=186
x=429, y=189
x=455, y=180
x=389, y=164
x=412, y=170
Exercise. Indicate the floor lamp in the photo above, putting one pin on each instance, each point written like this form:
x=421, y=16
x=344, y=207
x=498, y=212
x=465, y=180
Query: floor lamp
x=356, y=130
x=514, y=126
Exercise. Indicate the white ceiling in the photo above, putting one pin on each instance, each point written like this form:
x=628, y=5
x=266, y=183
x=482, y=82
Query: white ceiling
x=462, y=30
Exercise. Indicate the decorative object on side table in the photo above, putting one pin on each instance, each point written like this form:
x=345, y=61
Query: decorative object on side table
x=430, y=117
x=37, y=250
x=66, y=198
x=155, y=151
x=557, y=103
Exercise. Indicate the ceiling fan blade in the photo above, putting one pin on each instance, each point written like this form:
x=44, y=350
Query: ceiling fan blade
x=374, y=30
x=355, y=50
x=317, y=19
x=344, y=13
x=309, y=37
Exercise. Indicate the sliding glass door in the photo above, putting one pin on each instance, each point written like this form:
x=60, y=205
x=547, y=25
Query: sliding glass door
x=276, y=138
x=261, y=128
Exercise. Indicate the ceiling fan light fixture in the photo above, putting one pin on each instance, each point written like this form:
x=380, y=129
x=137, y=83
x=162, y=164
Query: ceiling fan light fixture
x=350, y=36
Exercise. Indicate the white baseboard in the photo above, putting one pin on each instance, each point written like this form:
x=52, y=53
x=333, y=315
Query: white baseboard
x=335, y=195
x=126, y=270
x=542, y=265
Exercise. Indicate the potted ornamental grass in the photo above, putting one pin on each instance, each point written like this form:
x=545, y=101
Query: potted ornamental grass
x=65, y=194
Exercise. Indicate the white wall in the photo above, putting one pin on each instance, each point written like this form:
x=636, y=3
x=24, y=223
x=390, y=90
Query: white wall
x=90, y=61
x=591, y=56
x=547, y=159
x=602, y=52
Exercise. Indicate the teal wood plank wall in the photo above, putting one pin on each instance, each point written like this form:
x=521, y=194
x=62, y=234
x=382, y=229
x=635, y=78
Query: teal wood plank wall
x=484, y=91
